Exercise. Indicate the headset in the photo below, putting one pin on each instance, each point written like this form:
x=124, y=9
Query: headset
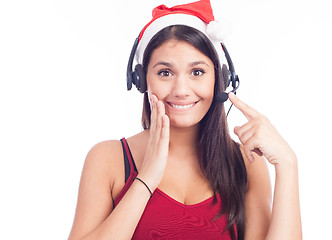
x=137, y=77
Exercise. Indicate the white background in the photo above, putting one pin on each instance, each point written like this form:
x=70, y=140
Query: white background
x=62, y=90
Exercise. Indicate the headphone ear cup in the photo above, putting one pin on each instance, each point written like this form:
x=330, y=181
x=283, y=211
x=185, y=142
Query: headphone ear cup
x=140, y=78
x=225, y=75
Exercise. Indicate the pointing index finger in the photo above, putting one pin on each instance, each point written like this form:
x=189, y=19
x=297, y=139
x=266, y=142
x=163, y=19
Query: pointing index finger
x=247, y=111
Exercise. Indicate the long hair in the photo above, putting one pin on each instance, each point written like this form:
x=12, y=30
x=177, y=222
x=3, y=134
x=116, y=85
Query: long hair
x=220, y=157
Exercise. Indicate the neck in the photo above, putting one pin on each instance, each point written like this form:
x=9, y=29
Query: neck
x=183, y=141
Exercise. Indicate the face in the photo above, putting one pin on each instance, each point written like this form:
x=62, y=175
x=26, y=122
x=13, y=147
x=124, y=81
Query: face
x=183, y=78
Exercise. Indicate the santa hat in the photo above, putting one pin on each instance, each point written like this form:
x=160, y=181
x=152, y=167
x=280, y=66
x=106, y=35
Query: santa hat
x=197, y=15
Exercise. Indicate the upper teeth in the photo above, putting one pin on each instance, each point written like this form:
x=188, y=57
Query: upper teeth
x=182, y=106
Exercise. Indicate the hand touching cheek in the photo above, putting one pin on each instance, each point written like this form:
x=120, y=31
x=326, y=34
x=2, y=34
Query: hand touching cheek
x=155, y=160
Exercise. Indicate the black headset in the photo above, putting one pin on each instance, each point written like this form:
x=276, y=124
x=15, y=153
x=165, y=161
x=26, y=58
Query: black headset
x=137, y=77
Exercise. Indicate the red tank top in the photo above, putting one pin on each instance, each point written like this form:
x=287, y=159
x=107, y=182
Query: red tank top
x=166, y=218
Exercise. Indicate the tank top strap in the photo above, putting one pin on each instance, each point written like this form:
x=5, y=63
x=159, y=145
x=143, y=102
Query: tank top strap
x=128, y=159
x=130, y=170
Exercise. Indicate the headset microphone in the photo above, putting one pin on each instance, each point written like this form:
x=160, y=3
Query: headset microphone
x=229, y=76
x=223, y=96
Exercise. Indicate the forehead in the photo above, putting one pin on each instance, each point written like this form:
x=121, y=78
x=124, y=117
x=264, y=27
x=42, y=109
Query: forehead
x=178, y=51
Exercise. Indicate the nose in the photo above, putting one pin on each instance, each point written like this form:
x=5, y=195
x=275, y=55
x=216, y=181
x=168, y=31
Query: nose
x=181, y=86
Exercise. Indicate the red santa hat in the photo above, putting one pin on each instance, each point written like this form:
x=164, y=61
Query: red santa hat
x=197, y=15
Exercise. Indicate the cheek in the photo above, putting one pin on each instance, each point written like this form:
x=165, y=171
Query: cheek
x=206, y=90
x=153, y=87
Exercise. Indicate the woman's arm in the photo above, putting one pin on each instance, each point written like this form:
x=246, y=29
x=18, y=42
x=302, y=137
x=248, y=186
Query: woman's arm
x=258, y=198
x=95, y=217
x=259, y=136
x=286, y=217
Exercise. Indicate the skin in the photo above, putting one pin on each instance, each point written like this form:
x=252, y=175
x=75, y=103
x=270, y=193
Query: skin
x=259, y=136
x=166, y=157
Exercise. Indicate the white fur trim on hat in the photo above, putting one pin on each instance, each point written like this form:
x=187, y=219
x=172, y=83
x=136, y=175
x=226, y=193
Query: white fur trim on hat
x=218, y=30
x=175, y=19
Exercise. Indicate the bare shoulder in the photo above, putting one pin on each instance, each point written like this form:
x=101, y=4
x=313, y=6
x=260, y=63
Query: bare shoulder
x=95, y=202
x=257, y=169
x=104, y=155
x=102, y=179
x=104, y=165
x=106, y=159
x=258, y=175
x=105, y=148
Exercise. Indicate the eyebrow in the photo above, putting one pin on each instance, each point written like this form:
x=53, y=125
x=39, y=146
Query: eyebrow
x=198, y=63
x=167, y=64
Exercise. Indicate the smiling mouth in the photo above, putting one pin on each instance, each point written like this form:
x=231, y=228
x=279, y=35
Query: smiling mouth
x=181, y=106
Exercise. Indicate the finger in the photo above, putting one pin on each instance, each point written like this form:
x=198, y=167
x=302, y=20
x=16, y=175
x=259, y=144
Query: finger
x=164, y=138
x=248, y=111
x=153, y=100
x=165, y=130
x=150, y=100
x=252, y=146
x=245, y=136
x=248, y=153
x=244, y=128
x=160, y=112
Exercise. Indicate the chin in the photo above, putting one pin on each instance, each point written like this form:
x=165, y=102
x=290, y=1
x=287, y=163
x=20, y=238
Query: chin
x=183, y=123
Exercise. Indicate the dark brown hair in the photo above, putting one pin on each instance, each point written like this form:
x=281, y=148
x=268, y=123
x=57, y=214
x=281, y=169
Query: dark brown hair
x=220, y=157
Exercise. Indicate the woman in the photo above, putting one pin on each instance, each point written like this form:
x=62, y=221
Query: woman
x=183, y=177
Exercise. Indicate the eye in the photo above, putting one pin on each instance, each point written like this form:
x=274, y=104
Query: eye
x=197, y=72
x=164, y=73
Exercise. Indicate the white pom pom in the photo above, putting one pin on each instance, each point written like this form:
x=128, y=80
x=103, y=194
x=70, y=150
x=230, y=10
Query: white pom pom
x=218, y=30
